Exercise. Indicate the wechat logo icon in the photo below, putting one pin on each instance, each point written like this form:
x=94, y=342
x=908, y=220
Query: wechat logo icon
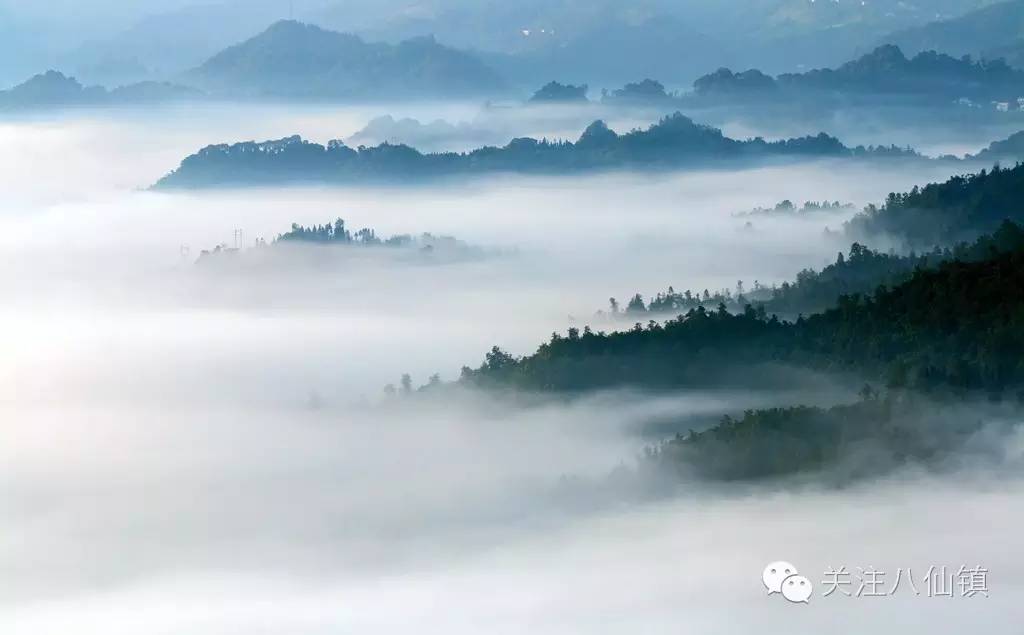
x=782, y=577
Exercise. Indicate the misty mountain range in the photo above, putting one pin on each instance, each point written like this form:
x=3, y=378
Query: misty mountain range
x=675, y=141
x=303, y=61
x=992, y=32
x=291, y=60
x=883, y=73
x=947, y=319
x=53, y=89
x=272, y=393
x=600, y=42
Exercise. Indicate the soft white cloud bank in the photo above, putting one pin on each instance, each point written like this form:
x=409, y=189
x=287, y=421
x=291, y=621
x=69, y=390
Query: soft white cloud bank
x=185, y=450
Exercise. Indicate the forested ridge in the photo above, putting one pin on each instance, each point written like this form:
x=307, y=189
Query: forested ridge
x=884, y=71
x=957, y=327
x=860, y=270
x=941, y=213
x=969, y=218
x=866, y=439
x=674, y=141
x=950, y=335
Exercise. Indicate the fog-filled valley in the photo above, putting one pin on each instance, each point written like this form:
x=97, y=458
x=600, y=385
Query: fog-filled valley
x=210, y=447
x=453, y=317
x=550, y=250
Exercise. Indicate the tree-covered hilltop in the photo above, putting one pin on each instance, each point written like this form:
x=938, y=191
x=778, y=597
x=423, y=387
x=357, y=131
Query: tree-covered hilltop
x=866, y=439
x=725, y=83
x=557, y=93
x=942, y=213
x=645, y=92
x=786, y=208
x=1010, y=149
x=861, y=270
x=673, y=142
x=957, y=327
x=337, y=234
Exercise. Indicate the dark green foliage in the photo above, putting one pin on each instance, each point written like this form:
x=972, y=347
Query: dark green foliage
x=861, y=440
x=860, y=271
x=675, y=141
x=959, y=326
x=680, y=352
x=338, y=234
x=962, y=208
x=863, y=270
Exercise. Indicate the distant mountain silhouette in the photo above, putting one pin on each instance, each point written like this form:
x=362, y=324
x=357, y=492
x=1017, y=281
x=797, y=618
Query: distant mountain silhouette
x=1010, y=150
x=674, y=142
x=427, y=135
x=169, y=41
x=50, y=89
x=296, y=60
x=725, y=82
x=554, y=92
x=648, y=91
x=995, y=31
x=886, y=71
x=53, y=89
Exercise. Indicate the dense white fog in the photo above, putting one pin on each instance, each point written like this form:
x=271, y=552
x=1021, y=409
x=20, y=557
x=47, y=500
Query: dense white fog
x=193, y=450
x=94, y=264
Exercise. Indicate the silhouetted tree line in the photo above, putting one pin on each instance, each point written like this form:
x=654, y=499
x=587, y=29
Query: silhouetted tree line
x=554, y=92
x=647, y=91
x=941, y=213
x=674, y=141
x=53, y=89
x=861, y=270
x=337, y=233
x=866, y=439
x=959, y=327
x=885, y=71
x=787, y=208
